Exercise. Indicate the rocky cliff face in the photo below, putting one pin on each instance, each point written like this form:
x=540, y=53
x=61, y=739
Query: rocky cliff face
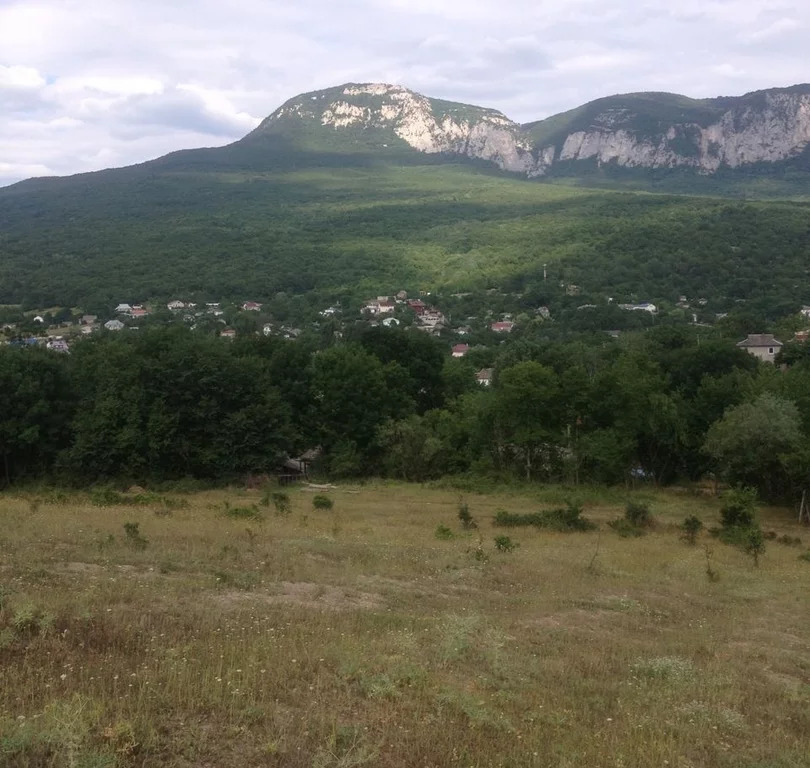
x=769, y=126
x=776, y=129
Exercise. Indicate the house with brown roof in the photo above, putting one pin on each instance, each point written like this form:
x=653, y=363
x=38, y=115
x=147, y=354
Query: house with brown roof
x=761, y=345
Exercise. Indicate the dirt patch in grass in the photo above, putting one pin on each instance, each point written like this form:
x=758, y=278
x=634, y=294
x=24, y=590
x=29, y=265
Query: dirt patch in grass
x=306, y=595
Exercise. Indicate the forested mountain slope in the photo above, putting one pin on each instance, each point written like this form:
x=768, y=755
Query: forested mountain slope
x=367, y=187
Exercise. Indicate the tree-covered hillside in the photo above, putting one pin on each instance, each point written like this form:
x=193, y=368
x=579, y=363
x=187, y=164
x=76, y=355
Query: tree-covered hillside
x=200, y=224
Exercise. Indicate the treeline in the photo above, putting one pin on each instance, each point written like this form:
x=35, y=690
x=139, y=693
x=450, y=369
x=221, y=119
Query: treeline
x=164, y=404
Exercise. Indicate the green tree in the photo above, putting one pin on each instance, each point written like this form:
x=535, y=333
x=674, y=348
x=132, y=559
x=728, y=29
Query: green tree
x=752, y=443
x=529, y=417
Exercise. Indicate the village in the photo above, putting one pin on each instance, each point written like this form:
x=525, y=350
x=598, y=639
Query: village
x=58, y=329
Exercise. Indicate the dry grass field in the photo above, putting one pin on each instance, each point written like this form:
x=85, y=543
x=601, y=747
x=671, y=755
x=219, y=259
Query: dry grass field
x=207, y=637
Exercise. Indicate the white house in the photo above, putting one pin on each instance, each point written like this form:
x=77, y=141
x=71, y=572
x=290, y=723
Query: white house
x=761, y=345
x=644, y=306
x=114, y=325
x=123, y=309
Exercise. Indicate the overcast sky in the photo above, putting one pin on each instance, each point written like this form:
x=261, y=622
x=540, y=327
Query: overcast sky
x=89, y=84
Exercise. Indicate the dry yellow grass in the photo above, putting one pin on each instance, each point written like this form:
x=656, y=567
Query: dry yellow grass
x=356, y=637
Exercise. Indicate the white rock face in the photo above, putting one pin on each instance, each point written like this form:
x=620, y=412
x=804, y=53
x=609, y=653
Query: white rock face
x=779, y=131
x=484, y=134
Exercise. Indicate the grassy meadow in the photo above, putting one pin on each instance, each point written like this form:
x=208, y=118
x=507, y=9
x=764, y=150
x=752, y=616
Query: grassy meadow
x=208, y=630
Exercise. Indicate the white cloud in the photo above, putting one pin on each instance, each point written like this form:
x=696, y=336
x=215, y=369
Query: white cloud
x=88, y=83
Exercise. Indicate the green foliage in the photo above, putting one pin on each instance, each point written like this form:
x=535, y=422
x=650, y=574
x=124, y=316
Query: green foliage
x=563, y=519
x=691, y=527
x=750, y=442
x=505, y=544
x=251, y=512
x=739, y=508
x=319, y=501
x=638, y=515
x=443, y=533
x=805, y=556
x=755, y=544
x=281, y=502
x=465, y=516
x=625, y=528
x=134, y=537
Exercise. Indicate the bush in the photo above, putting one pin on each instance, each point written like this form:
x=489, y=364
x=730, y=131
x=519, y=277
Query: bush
x=467, y=520
x=805, y=556
x=638, y=515
x=134, y=537
x=739, y=508
x=691, y=527
x=755, y=544
x=625, y=528
x=322, y=502
x=505, y=544
x=443, y=533
x=564, y=519
x=242, y=513
x=280, y=500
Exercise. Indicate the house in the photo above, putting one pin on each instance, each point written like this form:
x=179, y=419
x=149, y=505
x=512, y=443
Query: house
x=644, y=306
x=463, y=330
x=329, y=312
x=502, y=326
x=114, y=325
x=58, y=344
x=390, y=322
x=402, y=295
x=805, y=311
x=39, y=319
x=382, y=305
x=761, y=345
x=88, y=319
x=418, y=306
x=123, y=309
x=484, y=377
x=544, y=312
x=459, y=350
x=268, y=329
x=431, y=318
x=251, y=306
x=138, y=312
x=227, y=333
x=176, y=306
x=802, y=336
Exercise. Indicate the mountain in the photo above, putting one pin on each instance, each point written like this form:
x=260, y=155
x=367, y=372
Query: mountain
x=650, y=131
x=366, y=187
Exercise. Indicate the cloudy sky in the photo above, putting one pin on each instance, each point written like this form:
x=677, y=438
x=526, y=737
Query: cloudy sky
x=89, y=84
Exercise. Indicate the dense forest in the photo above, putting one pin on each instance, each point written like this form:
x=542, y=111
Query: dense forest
x=135, y=234
x=668, y=404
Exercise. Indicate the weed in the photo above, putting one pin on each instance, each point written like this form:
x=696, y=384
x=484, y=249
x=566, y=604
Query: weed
x=505, y=544
x=242, y=513
x=280, y=500
x=691, y=527
x=755, y=544
x=443, y=533
x=320, y=501
x=625, y=528
x=464, y=516
x=711, y=574
x=134, y=537
x=805, y=556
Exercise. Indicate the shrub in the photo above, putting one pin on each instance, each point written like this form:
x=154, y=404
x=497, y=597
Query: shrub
x=691, y=527
x=281, y=502
x=638, y=515
x=755, y=544
x=443, y=533
x=242, y=513
x=564, y=519
x=134, y=537
x=505, y=544
x=739, y=508
x=322, y=502
x=625, y=528
x=467, y=520
x=805, y=556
